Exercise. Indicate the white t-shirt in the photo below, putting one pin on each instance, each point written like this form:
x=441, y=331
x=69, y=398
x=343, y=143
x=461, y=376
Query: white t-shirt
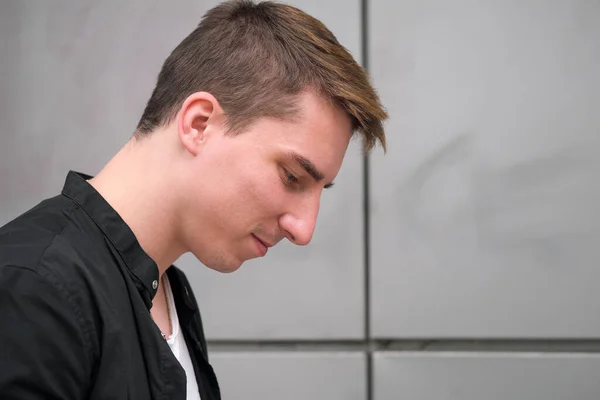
x=177, y=344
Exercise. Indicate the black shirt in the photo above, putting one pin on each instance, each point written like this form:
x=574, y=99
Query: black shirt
x=76, y=290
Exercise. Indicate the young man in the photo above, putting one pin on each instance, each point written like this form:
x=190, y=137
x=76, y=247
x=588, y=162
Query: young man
x=248, y=124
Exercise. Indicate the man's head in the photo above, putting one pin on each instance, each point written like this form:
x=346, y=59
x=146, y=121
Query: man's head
x=262, y=101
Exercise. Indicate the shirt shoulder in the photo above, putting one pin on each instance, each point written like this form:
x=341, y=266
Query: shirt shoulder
x=48, y=249
x=25, y=239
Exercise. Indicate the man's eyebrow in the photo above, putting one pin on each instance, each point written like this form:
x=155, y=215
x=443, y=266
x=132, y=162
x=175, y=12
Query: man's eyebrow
x=309, y=167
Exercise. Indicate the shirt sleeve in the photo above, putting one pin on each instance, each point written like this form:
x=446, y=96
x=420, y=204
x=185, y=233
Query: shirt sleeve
x=43, y=352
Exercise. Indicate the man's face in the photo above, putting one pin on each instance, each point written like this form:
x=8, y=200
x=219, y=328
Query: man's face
x=258, y=187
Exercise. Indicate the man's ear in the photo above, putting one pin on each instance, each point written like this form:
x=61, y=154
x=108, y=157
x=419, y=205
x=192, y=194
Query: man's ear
x=198, y=116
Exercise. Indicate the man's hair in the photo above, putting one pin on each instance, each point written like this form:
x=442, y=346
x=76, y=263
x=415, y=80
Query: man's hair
x=255, y=58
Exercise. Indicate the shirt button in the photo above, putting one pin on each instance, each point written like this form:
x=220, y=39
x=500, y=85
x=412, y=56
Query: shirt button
x=154, y=284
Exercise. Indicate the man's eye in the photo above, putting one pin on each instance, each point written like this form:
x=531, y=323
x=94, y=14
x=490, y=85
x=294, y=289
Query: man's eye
x=291, y=178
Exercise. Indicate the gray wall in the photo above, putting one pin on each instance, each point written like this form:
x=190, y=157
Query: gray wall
x=481, y=280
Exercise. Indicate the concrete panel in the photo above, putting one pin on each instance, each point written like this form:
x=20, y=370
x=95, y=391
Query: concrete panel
x=75, y=78
x=291, y=376
x=479, y=376
x=484, y=212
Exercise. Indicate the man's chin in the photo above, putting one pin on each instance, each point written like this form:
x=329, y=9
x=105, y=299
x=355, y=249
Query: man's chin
x=225, y=267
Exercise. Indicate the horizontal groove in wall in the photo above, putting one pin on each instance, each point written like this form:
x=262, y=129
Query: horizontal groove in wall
x=307, y=346
x=550, y=346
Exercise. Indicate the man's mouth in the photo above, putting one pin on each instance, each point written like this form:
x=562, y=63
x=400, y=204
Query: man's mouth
x=261, y=246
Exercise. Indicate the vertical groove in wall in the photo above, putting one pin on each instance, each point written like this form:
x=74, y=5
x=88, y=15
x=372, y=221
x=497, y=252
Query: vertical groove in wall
x=367, y=267
x=366, y=204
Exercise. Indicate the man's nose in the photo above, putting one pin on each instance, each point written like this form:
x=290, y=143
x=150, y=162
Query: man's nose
x=299, y=224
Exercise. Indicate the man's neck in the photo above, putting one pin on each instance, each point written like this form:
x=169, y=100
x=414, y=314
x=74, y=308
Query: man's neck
x=136, y=186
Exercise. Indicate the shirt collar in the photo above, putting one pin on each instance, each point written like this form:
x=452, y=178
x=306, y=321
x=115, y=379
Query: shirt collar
x=142, y=267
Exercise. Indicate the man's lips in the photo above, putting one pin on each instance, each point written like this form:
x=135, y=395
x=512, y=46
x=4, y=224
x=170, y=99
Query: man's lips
x=267, y=244
x=262, y=246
